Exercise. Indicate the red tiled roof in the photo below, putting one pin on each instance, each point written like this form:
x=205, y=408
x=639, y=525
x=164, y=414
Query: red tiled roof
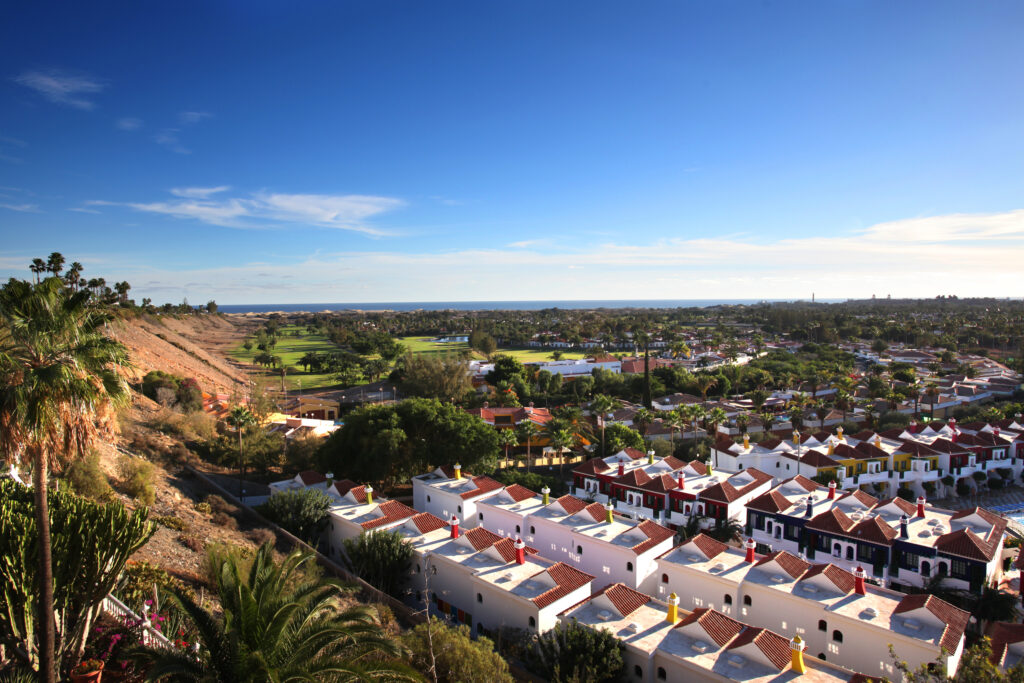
x=656, y=534
x=343, y=486
x=955, y=618
x=481, y=538
x=771, y=501
x=358, y=492
x=636, y=477
x=965, y=543
x=426, y=522
x=789, y=562
x=833, y=521
x=698, y=467
x=673, y=462
x=484, y=484
x=597, y=511
x=990, y=517
x=310, y=477
x=774, y=646
x=725, y=491
x=874, y=530
x=707, y=545
x=592, y=466
x=808, y=484
x=661, y=484
x=840, y=578
x=519, y=493
x=625, y=599
x=866, y=498
x=567, y=579
x=1004, y=634
x=719, y=627
x=392, y=511
x=506, y=547
x=904, y=505
x=571, y=504
x=635, y=453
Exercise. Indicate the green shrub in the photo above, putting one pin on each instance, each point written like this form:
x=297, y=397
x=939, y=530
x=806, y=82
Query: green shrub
x=381, y=558
x=532, y=480
x=215, y=503
x=995, y=483
x=302, y=512
x=172, y=522
x=454, y=655
x=204, y=508
x=218, y=553
x=137, y=479
x=87, y=478
x=906, y=494
x=137, y=583
x=963, y=488
x=979, y=477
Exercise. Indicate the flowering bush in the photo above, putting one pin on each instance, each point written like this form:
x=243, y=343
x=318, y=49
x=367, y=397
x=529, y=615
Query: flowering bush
x=87, y=666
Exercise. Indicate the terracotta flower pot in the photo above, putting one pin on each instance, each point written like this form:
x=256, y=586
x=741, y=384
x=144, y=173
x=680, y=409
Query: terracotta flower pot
x=90, y=677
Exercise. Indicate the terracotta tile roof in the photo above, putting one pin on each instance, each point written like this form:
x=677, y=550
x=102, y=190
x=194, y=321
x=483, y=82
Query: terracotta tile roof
x=506, y=548
x=661, y=484
x=625, y=599
x=719, y=627
x=833, y=521
x=840, y=578
x=1004, y=634
x=990, y=517
x=965, y=543
x=789, y=562
x=944, y=445
x=774, y=646
x=770, y=444
x=698, y=467
x=571, y=504
x=726, y=492
x=427, y=522
x=707, y=545
x=566, y=578
x=904, y=505
x=358, y=492
x=655, y=533
x=636, y=477
x=673, y=462
x=955, y=618
x=393, y=511
x=634, y=453
x=772, y=501
x=916, y=448
x=592, y=466
x=481, y=538
x=343, y=486
x=483, y=485
x=816, y=459
x=310, y=477
x=597, y=511
x=874, y=530
x=808, y=484
x=863, y=497
x=519, y=493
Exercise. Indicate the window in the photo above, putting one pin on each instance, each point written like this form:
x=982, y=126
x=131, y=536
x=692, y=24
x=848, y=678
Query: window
x=664, y=578
x=777, y=465
x=822, y=626
x=837, y=550
x=960, y=569
x=629, y=566
x=579, y=550
x=926, y=569
x=849, y=552
x=480, y=516
x=943, y=568
x=517, y=528
x=479, y=598
x=532, y=530
x=460, y=508
x=637, y=671
x=433, y=570
x=821, y=656
x=837, y=636
x=661, y=673
x=428, y=499
x=728, y=599
x=746, y=600
x=533, y=623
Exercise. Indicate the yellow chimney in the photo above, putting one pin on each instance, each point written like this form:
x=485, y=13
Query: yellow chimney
x=831, y=447
x=878, y=441
x=608, y=516
x=369, y=495
x=458, y=471
x=839, y=432
x=673, y=609
x=746, y=441
x=547, y=494
x=797, y=648
x=709, y=467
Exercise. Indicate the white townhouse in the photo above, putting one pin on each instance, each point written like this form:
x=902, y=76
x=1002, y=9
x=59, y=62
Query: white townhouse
x=839, y=616
x=302, y=480
x=578, y=368
x=447, y=491
x=504, y=511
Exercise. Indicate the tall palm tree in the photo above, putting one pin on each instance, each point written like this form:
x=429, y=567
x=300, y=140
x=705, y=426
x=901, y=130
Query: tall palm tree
x=600, y=406
x=676, y=420
x=240, y=417
x=844, y=401
x=642, y=338
x=37, y=267
x=278, y=624
x=55, y=263
x=932, y=392
x=526, y=431
x=59, y=383
x=643, y=419
x=695, y=412
x=705, y=383
x=716, y=416
x=507, y=438
x=562, y=440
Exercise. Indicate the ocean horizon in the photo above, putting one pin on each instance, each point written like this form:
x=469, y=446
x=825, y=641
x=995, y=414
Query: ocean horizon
x=499, y=305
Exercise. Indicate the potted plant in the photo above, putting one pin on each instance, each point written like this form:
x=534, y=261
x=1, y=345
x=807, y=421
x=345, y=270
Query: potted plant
x=88, y=671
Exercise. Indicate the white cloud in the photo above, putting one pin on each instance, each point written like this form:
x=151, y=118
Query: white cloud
x=265, y=209
x=80, y=209
x=189, y=117
x=129, y=123
x=24, y=208
x=62, y=87
x=198, y=192
x=168, y=137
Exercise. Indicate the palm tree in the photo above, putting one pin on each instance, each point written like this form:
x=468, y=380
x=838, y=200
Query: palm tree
x=278, y=624
x=767, y=418
x=757, y=398
x=601, y=405
x=932, y=392
x=694, y=413
x=526, y=431
x=240, y=417
x=715, y=417
x=642, y=338
x=726, y=531
x=556, y=355
x=562, y=440
x=676, y=420
x=704, y=383
x=37, y=267
x=742, y=422
x=643, y=419
x=507, y=438
x=844, y=401
x=55, y=263
x=822, y=409
x=58, y=386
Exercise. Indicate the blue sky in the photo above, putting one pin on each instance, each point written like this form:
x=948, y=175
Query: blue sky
x=266, y=152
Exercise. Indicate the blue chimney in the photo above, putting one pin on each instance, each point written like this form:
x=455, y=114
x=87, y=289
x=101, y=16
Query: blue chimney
x=903, y=527
x=810, y=506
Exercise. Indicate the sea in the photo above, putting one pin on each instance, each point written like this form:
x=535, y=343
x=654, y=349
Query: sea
x=497, y=305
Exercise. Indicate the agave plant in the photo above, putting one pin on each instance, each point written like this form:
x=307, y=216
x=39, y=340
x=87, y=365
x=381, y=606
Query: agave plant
x=279, y=625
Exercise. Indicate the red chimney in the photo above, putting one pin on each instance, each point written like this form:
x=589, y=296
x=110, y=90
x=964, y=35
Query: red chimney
x=622, y=467
x=858, y=581
x=913, y=426
x=920, y=506
x=455, y=526
x=995, y=430
x=750, y=550
x=832, y=490
x=953, y=438
x=520, y=551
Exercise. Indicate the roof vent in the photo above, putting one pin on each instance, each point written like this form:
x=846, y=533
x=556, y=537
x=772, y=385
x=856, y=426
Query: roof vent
x=933, y=522
x=856, y=516
x=939, y=529
x=869, y=612
x=718, y=567
x=810, y=588
x=633, y=627
x=924, y=533
x=699, y=646
x=507, y=576
x=604, y=615
x=777, y=578
x=912, y=624
x=737, y=661
x=695, y=558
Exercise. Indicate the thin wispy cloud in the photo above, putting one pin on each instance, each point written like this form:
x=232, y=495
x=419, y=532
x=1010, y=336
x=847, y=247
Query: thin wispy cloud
x=23, y=208
x=168, y=137
x=80, y=209
x=189, y=117
x=129, y=123
x=269, y=209
x=62, y=87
